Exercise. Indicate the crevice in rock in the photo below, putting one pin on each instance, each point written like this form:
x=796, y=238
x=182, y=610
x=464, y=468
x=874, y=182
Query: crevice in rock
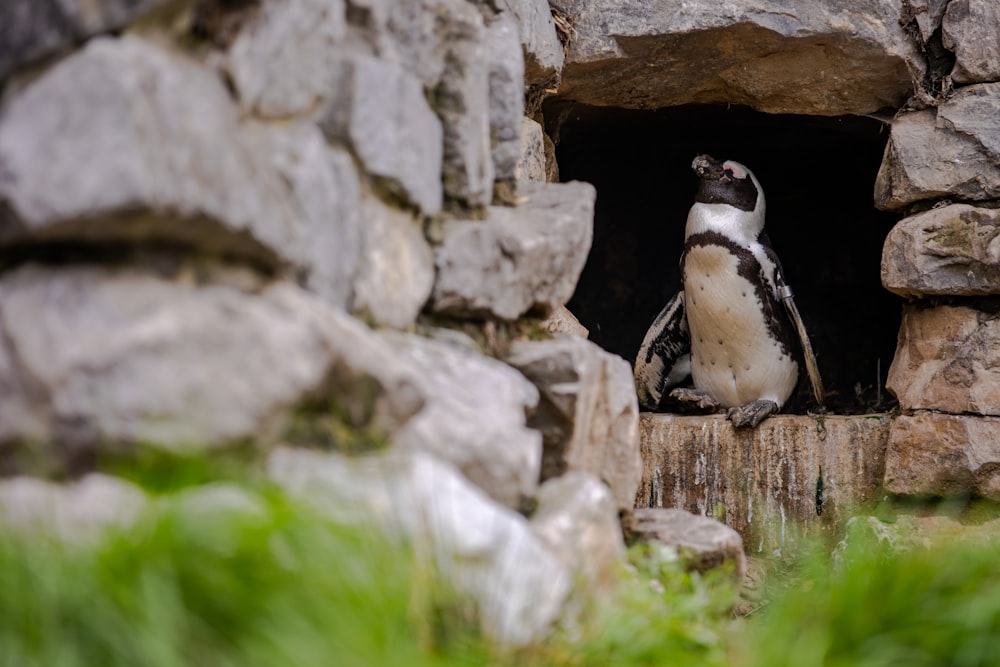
x=818, y=175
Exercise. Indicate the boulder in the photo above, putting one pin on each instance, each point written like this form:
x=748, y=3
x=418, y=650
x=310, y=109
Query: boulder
x=700, y=542
x=971, y=29
x=949, y=152
x=951, y=251
x=33, y=29
x=474, y=417
x=935, y=454
x=531, y=165
x=948, y=359
x=397, y=276
x=543, y=52
x=825, y=59
x=100, y=358
x=485, y=550
x=506, y=96
x=76, y=512
x=280, y=62
x=577, y=521
x=523, y=257
x=588, y=415
x=381, y=113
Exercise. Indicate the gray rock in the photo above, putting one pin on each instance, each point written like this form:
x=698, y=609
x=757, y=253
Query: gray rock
x=971, y=29
x=543, y=52
x=33, y=29
x=382, y=114
x=934, y=454
x=474, y=416
x=948, y=359
x=280, y=63
x=462, y=101
x=106, y=357
x=506, y=96
x=487, y=551
x=518, y=258
x=775, y=56
x=588, y=416
x=562, y=321
x=953, y=151
x=701, y=543
x=927, y=14
x=531, y=165
x=397, y=276
x=76, y=512
x=577, y=520
x=953, y=250
x=907, y=532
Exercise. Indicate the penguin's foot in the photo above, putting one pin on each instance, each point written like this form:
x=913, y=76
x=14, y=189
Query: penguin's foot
x=752, y=413
x=695, y=399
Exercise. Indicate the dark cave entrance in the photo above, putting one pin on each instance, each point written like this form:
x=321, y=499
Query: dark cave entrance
x=818, y=175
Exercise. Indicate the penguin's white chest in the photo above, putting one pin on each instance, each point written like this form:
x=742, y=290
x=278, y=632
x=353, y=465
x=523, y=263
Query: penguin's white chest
x=734, y=356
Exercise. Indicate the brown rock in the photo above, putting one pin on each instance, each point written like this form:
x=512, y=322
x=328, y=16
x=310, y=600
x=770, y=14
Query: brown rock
x=954, y=251
x=948, y=359
x=760, y=479
x=934, y=454
x=971, y=28
x=702, y=543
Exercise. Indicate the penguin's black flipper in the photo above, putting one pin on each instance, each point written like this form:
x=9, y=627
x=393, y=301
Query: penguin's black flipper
x=664, y=358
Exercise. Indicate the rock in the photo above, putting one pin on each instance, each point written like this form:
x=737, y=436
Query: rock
x=33, y=29
x=577, y=520
x=953, y=250
x=948, y=359
x=519, y=258
x=75, y=512
x=588, y=415
x=531, y=165
x=280, y=63
x=381, y=113
x=324, y=192
x=907, y=532
x=953, y=151
x=823, y=60
x=971, y=29
x=397, y=275
x=543, y=52
x=561, y=321
x=107, y=358
x=927, y=14
x=462, y=101
x=127, y=142
x=474, y=416
x=702, y=543
x=690, y=463
x=487, y=551
x=934, y=454
x=506, y=79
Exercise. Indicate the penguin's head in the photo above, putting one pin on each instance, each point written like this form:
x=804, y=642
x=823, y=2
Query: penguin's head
x=727, y=182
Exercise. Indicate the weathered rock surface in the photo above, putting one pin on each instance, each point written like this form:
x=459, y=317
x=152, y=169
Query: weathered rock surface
x=971, y=29
x=577, y=520
x=519, y=258
x=907, y=532
x=543, y=52
x=948, y=359
x=103, y=357
x=562, y=321
x=588, y=415
x=759, y=481
x=531, y=165
x=486, y=550
x=953, y=250
x=774, y=56
x=380, y=112
x=935, y=454
x=506, y=96
x=949, y=152
x=397, y=275
x=33, y=29
x=927, y=14
x=74, y=512
x=701, y=543
x=280, y=63
x=474, y=418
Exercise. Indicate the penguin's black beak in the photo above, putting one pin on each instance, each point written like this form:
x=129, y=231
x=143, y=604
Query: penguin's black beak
x=708, y=168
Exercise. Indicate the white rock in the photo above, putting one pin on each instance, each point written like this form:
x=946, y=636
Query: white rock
x=531, y=165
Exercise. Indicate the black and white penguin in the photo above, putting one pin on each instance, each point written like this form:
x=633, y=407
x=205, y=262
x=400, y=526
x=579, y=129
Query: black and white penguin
x=734, y=326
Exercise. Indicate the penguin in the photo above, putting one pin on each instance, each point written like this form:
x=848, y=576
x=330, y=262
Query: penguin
x=733, y=327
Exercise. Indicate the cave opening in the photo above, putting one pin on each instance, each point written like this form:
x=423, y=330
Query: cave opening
x=818, y=175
